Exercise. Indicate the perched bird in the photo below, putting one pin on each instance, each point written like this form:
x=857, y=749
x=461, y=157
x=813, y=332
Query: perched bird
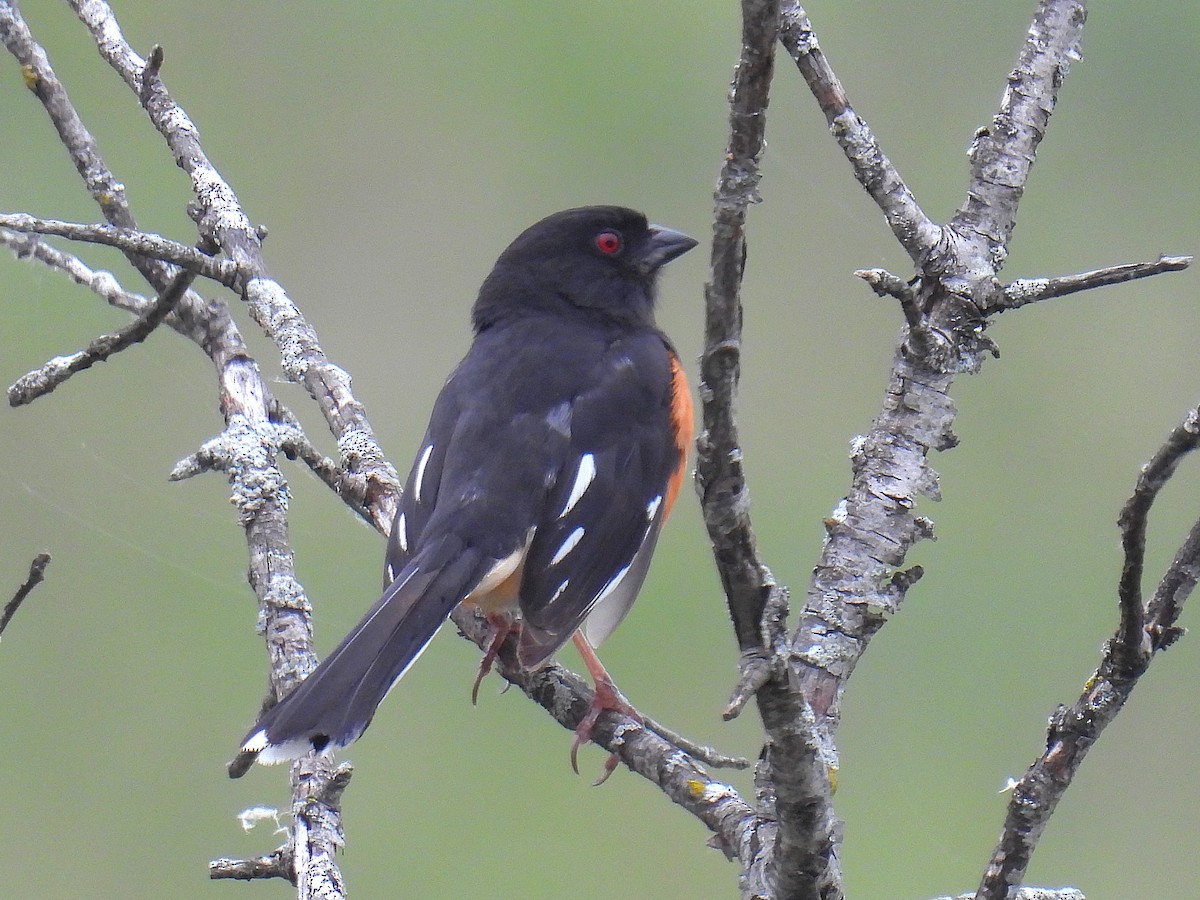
x=553, y=456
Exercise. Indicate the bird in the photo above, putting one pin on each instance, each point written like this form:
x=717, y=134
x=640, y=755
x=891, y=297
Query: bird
x=553, y=456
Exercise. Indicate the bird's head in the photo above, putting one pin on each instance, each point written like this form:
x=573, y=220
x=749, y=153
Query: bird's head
x=597, y=260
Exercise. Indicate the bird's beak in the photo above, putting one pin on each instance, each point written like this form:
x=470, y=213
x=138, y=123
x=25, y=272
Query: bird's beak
x=664, y=245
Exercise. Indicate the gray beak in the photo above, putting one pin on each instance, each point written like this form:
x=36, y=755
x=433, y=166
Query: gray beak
x=664, y=245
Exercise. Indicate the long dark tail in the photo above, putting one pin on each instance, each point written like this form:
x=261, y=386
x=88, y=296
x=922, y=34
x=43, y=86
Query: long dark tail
x=334, y=705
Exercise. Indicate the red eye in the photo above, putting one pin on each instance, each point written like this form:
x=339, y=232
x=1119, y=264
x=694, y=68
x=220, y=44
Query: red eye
x=608, y=243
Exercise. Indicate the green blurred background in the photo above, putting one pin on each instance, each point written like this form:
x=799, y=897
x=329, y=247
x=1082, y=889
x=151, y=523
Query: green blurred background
x=393, y=150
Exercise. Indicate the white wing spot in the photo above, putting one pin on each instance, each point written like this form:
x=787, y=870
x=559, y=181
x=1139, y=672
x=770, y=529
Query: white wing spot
x=567, y=546
x=583, y=477
x=558, y=593
x=613, y=584
x=401, y=528
x=652, y=508
x=421, y=472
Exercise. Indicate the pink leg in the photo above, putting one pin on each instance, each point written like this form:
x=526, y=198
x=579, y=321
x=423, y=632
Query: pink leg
x=606, y=697
x=502, y=626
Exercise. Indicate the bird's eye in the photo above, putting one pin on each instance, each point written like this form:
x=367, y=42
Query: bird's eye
x=608, y=243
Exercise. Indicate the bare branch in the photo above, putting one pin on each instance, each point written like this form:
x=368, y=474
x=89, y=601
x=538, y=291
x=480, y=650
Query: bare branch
x=317, y=831
x=221, y=219
x=207, y=322
x=799, y=860
x=1137, y=641
x=1164, y=607
x=913, y=229
x=100, y=282
x=273, y=865
x=1003, y=153
x=1143, y=631
x=885, y=284
x=1031, y=893
x=259, y=487
x=37, y=573
x=755, y=669
x=719, y=475
x=133, y=243
x=860, y=580
x=1031, y=290
x=567, y=696
x=44, y=380
x=703, y=753
x=1177, y=584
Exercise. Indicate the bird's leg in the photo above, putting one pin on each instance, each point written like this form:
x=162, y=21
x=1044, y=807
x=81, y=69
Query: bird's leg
x=605, y=697
x=502, y=625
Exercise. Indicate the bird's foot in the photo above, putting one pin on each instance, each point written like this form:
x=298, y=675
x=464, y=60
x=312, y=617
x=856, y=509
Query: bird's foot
x=502, y=626
x=605, y=698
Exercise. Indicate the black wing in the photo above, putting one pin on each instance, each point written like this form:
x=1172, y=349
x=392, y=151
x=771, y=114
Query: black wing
x=570, y=467
x=593, y=541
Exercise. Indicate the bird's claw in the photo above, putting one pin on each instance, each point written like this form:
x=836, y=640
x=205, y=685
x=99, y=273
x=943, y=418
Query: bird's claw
x=605, y=698
x=501, y=627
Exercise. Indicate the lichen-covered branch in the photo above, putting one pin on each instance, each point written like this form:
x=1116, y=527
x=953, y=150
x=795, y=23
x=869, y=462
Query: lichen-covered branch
x=796, y=856
x=220, y=218
x=43, y=380
x=130, y=242
x=99, y=281
x=1032, y=290
x=260, y=491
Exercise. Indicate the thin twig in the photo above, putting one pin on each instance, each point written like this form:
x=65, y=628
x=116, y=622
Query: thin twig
x=567, y=697
x=755, y=669
x=206, y=322
x=1143, y=631
x=273, y=865
x=885, y=284
x=37, y=573
x=1133, y=640
x=295, y=443
x=136, y=243
x=915, y=231
x=44, y=380
x=99, y=281
x=710, y=756
x=1177, y=584
x=1031, y=290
